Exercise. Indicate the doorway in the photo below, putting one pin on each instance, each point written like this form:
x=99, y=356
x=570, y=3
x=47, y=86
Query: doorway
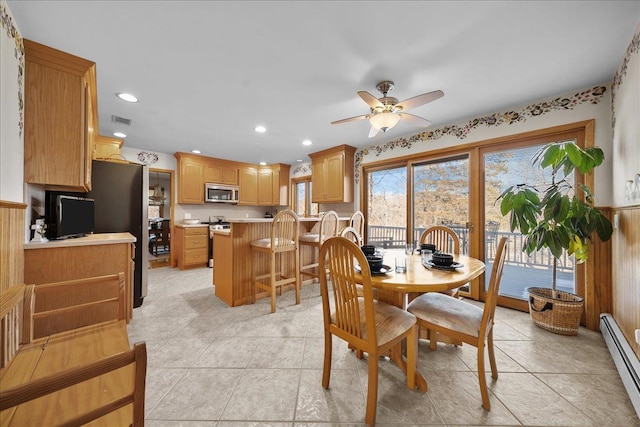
x=160, y=212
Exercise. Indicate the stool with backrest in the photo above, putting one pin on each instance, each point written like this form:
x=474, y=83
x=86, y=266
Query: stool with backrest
x=283, y=240
x=352, y=234
x=357, y=221
x=327, y=227
x=463, y=321
x=368, y=326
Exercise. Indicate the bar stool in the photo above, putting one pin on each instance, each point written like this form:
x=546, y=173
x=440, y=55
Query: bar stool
x=328, y=227
x=357, y=221
x=283, y=240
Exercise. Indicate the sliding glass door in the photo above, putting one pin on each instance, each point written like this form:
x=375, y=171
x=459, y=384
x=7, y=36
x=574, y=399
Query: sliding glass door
x=441, y=197
x=386, y=207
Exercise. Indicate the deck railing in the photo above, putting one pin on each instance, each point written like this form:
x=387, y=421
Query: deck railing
x=396, y=237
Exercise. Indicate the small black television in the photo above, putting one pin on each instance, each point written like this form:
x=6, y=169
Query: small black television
x=68, y=216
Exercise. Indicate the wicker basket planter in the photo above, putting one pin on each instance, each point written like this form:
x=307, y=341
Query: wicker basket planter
x=560, y=315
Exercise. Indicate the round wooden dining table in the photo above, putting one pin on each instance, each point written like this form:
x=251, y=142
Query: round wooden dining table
x=393, y=287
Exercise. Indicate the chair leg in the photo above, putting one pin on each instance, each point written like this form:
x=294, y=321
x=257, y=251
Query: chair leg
x=433, y=339
x=372, y=390
x=482, y=377
x=297, y=275
x=412, y=357
x=326, y=370
x=273, y=282
x=492, y=356
x=254, y=277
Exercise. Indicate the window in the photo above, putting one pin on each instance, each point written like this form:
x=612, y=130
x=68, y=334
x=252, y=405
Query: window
x=301, y=194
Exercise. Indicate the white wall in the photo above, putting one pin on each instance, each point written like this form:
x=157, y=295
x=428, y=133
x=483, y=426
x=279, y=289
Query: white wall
x=583, y=104
x=626, y=130
x=11, y=114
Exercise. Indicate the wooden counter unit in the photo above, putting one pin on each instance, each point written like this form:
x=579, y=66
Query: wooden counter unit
x=190, y=244
x=69, y=259
x=232, y=262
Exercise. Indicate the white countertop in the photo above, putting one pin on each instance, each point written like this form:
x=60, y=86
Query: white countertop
x=91, y=239
x=190, y=225
x=259, y=220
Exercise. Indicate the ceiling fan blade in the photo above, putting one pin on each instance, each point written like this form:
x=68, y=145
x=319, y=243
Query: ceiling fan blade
x=371, y=100
x=350, y=119
x=416, y=101
x=373, y=132
x=419, y=121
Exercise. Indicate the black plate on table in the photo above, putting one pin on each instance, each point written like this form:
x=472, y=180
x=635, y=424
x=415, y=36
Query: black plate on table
x=384, y=270
x=430, y=264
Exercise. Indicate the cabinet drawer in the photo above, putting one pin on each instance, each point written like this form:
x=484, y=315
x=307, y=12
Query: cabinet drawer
x=193, y=231
x=196, y=242
x=195, y=256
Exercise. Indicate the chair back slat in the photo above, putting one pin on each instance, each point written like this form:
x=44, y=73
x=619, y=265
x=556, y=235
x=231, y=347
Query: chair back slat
x=445, y=239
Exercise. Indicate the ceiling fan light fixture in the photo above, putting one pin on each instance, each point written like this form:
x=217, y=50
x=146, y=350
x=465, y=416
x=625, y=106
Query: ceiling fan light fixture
x=384, y=121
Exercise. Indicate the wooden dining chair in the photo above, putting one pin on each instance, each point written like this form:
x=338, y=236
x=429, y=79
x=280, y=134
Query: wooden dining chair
x=327, y=227
x=352, y=234
x=370, y=327
x=283, y=240
x=357, y=221
x=445, y=239
x=463, y=321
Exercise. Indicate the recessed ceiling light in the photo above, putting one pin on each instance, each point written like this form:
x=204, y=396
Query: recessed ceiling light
x=120, y=134
x=263, y=163
x=260, y=129
x=306, y=142
x=196, y=151
x=126, y=97
x=299, y=160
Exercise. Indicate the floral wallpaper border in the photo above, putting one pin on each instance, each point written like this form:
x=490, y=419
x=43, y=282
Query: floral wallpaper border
x=303, y=169
x=633, y=48
x=147, y=158
x=12, y=32
x=591, y=96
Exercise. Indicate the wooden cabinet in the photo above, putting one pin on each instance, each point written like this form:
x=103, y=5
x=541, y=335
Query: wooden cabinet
x=220, y=172
x=191, y=246
x=248, y=180
x=190, y=178
x=91, y=256
x=265, y=185
x=332, y=175
x=107, y=148
x=60, y=118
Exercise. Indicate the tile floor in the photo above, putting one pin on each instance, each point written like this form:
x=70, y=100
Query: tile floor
x=212, y=365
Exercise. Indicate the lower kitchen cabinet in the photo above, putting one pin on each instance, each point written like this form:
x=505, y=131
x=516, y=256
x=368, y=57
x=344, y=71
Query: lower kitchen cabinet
x=191, y=246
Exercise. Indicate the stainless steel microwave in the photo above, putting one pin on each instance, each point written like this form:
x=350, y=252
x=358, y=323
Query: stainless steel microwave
x=218, y=193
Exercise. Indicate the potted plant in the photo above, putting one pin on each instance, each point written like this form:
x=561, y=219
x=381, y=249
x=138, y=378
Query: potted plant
x=561, y=218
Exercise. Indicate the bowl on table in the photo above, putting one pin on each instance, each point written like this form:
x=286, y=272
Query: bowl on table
x=442, y=259
x=375, y=262
x=368, y=250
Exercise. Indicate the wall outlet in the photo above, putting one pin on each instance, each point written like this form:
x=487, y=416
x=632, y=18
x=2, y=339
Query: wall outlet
x=187, y=216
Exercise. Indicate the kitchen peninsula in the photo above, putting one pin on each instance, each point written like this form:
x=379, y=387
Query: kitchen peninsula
x=232, y=262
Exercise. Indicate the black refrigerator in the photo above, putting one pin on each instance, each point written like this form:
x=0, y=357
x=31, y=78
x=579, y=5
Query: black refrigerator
x=121, y=194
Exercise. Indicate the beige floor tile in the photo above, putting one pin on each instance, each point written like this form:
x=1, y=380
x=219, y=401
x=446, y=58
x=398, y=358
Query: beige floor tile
x=226, y=352
x=159, y=382
x=264, y=395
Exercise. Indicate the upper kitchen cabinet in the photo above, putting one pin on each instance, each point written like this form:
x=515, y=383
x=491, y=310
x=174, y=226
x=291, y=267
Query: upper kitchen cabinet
x=60, y=118
x=332, y=175
x=190, y=178
x=280, y=182
x=264, y=185
x=107, y=148
x=221, y=172
x=248, y=178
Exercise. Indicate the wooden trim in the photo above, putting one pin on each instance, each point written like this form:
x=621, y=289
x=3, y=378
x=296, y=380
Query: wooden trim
x=344, y=148
x=12, y=205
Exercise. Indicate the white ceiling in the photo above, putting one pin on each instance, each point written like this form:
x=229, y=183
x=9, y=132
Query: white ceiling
x=207, y=72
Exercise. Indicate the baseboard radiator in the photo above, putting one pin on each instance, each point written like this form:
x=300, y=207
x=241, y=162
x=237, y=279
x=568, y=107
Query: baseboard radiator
x=624, y=358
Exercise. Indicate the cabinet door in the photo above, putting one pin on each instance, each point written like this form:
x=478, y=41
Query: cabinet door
x=248, y=186
x=191, y=185
x=265, y=187
x=318, y=192
x=334, y=178
x=230, y=176
x=213, y=173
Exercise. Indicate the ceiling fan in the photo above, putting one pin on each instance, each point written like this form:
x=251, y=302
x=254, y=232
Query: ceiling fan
x=386, y=111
